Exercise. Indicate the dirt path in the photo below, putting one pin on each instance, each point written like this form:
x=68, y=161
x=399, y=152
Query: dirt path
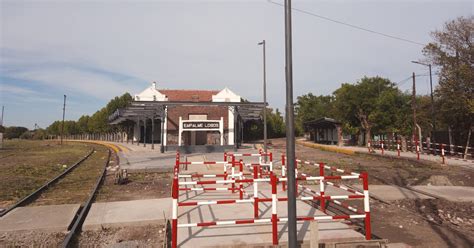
x=420, y=223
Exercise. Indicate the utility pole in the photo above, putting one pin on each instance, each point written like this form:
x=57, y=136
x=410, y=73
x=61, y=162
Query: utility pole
x=413, y=106
x=64, y=114
x=433, y=119
x=3, y=110
x=264, y=101
x=290, y=130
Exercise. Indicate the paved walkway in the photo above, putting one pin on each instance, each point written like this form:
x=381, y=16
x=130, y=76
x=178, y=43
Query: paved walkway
x=127, y=213
x=249, y=234
x=52, y=218
x=407, y=155
x=138, y=157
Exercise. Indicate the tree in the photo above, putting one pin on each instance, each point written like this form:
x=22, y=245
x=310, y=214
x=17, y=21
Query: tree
x=97, y=123
x=453, y=52
x=310, y=107
x=14, y=132
x=369, y=105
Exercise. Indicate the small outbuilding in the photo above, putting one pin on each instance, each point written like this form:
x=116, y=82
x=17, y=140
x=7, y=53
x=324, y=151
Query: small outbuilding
x=324, y=131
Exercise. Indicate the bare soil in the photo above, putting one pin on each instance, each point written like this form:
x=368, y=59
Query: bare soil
x=419, y=223
x=131, y=236
x=27, y=165
x=31, y=239
x=141, y=185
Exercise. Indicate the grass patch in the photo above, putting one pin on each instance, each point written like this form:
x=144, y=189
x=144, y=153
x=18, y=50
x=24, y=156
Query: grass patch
x=26, y=165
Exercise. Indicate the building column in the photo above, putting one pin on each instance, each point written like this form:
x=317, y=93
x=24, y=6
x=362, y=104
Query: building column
x=144, y=132
x=165, y=128
x=221, y=125
x=153, y=132
x=179, y=131
x=162, y=135
x=139, y=131
x=231, y=125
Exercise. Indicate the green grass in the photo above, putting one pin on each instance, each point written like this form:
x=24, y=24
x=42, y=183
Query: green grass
x=26, y=165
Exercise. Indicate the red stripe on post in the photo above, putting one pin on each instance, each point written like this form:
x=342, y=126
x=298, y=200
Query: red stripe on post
x=368, y=229
x=184, y=204
x=213, y=223
x=244, y=221
x=341, y=217
x=225, y=201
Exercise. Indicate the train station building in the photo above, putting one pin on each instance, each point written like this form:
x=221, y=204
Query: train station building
x=187, y=119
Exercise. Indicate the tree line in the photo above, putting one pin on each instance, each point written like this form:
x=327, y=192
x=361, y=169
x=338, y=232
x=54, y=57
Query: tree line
x=375, y=106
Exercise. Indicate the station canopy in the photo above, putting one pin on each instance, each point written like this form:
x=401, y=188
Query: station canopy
x=156, y=109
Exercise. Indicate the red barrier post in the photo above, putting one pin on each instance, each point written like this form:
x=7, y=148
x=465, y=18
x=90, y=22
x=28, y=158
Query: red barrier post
x=365, y=179
x=398, y=147
x=233, y=172
x=274, y=209
x=176, y=166
x=296, y=175
x=442, y=153
x=283, y=172
x=241, y=187
x=417, y=150
x=321, y=188
x=381, y=145
x=255, y=192
x=174, y=222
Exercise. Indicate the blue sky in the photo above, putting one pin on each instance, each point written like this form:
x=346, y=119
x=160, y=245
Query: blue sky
x=95, y=50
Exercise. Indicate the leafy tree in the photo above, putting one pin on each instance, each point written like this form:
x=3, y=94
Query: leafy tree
x=310, y=107
x=14, y=132
x=369, y=105
x=97, y=123
x=253, y=129
x=453, y=52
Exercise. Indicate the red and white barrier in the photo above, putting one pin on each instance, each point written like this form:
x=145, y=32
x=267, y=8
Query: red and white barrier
x=273, y=180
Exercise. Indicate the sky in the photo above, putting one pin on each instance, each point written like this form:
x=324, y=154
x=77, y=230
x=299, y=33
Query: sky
x=93, y=51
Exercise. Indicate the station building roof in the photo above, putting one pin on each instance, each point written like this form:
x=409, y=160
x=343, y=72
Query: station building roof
x=152, y=102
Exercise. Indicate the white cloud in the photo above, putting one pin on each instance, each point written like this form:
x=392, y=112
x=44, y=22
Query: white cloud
x=75, y=80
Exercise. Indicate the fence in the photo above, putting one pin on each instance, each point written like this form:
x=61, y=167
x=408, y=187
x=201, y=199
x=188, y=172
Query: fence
x=268, y=176
x=444, y=151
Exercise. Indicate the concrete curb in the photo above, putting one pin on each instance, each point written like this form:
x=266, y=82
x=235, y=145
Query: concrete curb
x=326, y=148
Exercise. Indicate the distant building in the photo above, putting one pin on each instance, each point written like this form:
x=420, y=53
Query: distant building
x=324, y=131
x=193, y=117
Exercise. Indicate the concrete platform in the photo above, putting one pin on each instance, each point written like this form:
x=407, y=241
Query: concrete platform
x=137, y=157
x=393, y=193
x=51, y=218
x=127, y=213
x=452, y=193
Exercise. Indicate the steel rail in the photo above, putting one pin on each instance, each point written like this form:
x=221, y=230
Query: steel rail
x=85, y=209
x=46, y=185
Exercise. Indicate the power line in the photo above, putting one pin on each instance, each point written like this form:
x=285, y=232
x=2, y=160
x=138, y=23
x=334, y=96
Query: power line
x=351, y=25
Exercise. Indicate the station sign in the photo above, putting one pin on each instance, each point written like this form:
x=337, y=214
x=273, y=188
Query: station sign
x=201, y=125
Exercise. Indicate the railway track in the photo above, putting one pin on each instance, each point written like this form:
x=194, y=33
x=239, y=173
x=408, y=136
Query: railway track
x=77, y=223
x=73, y=173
